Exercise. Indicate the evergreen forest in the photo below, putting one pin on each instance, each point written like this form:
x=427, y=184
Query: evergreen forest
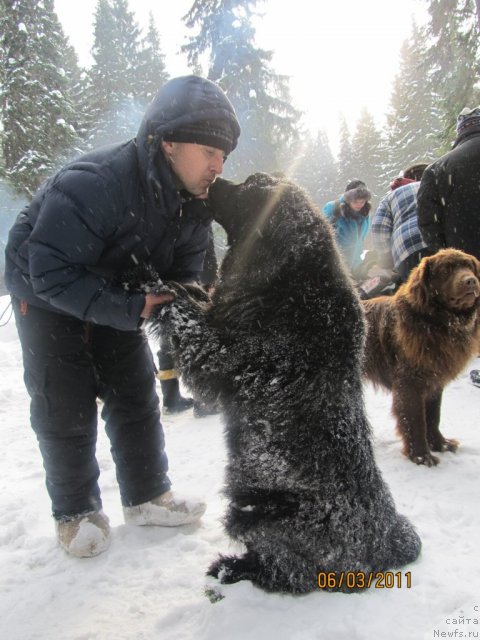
x=51, y=109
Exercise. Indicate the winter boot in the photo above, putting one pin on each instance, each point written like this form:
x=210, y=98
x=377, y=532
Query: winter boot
x=475, y=377
x=165, y=510
x=85, y=535
x=173, y=402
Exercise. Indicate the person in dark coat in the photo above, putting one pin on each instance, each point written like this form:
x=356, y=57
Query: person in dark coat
x=111, y=211
x=449, y=194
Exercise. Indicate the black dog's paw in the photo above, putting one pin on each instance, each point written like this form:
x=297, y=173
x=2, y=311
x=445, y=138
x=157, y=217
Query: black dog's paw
x=159, y=288
x=189, y=301
x=162, y=311
x=161, y=315
x=213, y=595
x=231, y=569
x=192, y=292
x=142, y=278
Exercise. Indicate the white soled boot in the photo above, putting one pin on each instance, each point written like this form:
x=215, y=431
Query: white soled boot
x=84, y=536
x=165, y=510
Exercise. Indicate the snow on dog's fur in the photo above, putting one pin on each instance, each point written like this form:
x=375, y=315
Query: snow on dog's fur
x=280, y=347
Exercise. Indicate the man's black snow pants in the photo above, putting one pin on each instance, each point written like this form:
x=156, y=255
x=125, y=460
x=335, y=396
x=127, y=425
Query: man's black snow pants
x=68, y=364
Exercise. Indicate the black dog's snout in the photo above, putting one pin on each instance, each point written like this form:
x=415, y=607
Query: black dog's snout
x=219, y=198
x=219, y=189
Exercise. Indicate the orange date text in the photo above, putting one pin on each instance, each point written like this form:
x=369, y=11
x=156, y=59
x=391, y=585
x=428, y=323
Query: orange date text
x=364, y=580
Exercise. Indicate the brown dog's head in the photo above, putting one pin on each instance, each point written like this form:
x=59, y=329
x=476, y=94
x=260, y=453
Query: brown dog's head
x=450, y=279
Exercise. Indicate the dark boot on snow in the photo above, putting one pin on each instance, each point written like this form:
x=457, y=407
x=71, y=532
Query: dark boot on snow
x=173, y=401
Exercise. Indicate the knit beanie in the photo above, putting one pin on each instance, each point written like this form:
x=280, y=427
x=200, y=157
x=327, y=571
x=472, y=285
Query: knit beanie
x=218, y=134
x=353, y=184
x=415, y=171
x=400, y=182
x=468, y=118
x=356, y=190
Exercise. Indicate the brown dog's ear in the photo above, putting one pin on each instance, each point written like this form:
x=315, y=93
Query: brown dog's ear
x=476, y=266
x=417, y=284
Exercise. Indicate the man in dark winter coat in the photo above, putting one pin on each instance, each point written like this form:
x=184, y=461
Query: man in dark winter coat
x=112, y=210
x=449, y=194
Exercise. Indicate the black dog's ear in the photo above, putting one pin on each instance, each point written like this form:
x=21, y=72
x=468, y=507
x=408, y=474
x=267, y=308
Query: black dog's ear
x=418, y=283
x=260, y=179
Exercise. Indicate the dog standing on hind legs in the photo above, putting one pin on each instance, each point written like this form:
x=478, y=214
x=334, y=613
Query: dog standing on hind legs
x=419, y=340
x=280, y=348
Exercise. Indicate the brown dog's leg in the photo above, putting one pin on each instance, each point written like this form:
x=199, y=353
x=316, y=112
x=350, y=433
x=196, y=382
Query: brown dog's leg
x=409, y=410
x=435, y=439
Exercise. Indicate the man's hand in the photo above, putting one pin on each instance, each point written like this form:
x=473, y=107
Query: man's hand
x=154, y=299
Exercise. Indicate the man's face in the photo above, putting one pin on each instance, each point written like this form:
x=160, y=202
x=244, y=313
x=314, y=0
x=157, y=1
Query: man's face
x=195, y=165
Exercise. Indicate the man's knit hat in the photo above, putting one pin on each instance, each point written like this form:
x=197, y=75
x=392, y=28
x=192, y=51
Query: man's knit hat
x=400, y=182
x=468, y=118
x=218, y=134
x=356, y=190
x=415, y=171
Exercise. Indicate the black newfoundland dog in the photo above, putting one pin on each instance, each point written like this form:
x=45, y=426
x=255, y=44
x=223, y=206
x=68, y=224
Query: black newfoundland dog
x=280, y=348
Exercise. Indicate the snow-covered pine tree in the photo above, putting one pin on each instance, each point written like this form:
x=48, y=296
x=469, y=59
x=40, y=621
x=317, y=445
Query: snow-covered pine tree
x=414, y=122
x=260, y=96
x=368, y=153
x=454, y=57
x=77, y=84
x=37, y=113
x=151, y=73
x=345, y=157
x=316, y=170
x=114, y=107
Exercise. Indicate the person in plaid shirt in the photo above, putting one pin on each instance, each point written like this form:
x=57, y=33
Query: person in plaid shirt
x=395, y=233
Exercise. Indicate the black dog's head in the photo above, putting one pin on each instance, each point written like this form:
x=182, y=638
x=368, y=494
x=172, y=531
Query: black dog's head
x=245, y=208
x=278, y=240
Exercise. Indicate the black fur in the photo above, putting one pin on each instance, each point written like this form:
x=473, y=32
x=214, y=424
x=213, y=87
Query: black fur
x=280, y=347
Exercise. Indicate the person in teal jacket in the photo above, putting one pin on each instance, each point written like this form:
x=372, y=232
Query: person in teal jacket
x=349, y=217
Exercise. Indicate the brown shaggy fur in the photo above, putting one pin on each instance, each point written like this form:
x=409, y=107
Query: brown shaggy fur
x=419, y=340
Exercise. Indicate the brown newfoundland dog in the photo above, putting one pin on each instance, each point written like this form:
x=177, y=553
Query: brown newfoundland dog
x=419, y=340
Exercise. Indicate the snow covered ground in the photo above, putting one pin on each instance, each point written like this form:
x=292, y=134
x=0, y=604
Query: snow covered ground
x=150, y=583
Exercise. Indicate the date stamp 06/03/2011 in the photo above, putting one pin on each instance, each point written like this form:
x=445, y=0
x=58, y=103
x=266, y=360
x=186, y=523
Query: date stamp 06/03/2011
x=364, y=580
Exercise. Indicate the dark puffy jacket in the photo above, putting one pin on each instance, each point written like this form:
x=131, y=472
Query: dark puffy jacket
x=113, y=209
x=209, y=273
x=449, y=197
